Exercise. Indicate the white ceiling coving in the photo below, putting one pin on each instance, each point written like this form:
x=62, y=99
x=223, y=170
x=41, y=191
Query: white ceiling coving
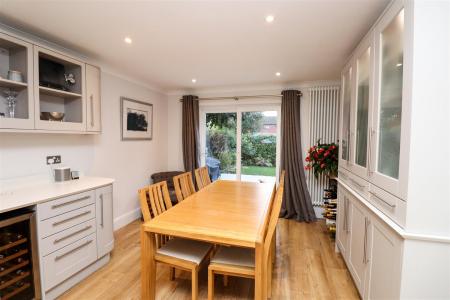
x=219, y=43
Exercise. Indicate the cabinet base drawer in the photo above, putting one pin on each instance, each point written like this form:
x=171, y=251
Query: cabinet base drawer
x=63, y=263
x=65, y=221
x=65, y=204
x=391, y=206
x=61, y=239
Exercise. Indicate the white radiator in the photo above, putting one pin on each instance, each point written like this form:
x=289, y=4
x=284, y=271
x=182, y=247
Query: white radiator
x=324, y=119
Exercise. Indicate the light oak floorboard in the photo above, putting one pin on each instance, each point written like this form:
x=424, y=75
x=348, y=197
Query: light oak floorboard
x=306, y=267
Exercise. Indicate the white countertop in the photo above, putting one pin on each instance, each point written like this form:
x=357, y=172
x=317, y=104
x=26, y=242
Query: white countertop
x=38, y=192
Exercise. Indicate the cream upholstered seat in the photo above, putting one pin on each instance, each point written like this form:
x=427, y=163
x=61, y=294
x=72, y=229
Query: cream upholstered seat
x=189, y=250
x=235, y=256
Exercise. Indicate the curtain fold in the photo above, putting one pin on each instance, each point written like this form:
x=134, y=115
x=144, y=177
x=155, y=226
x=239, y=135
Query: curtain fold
x=296, y=200
x=190, y=133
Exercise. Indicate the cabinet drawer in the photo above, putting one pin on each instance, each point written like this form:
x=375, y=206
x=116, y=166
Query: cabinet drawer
x=391, y=206
x=66, y=237
x=63, y=205
x=358, y=184
x=69, y=260
x=104, y=190
x=65, y=221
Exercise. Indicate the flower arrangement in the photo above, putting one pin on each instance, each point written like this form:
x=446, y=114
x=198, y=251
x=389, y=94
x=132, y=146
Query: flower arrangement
x=323, y=158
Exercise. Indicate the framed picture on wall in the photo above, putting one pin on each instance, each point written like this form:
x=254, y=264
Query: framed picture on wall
x=136, y=119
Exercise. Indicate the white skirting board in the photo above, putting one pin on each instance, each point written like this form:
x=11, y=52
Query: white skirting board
x=127, y=218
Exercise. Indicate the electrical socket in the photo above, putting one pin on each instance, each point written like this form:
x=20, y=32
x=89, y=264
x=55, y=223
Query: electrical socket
x=54, y=159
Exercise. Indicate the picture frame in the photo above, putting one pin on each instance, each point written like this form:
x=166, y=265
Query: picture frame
x=136, y=119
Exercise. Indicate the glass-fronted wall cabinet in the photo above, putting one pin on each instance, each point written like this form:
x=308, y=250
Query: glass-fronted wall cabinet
x=16, y=81
x=388, y=125
x=59, y=91
x=359, y=131
x=344, y=152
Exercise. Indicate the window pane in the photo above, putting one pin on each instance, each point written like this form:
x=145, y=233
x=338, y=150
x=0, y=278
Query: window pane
x=362, y=112
x=346, y=115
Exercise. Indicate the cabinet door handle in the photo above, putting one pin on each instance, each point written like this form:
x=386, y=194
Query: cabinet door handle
x=92, y=110
x=71, y=218
x=70, y=202
x=58, y=257
x=382, y=200
x=344, y=217
x=72, y=234
x=347, y=229
x=101, y=210
x=366, y=226
x=369, y=162
x=357, y=184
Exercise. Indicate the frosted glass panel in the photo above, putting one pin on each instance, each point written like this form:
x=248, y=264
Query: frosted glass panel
x=362, y=111
x=391, y=97
x=346, y=115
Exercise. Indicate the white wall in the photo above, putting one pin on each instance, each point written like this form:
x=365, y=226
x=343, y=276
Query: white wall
x=130, y=163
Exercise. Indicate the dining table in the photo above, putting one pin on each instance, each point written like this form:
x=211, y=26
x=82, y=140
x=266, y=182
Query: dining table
x=226, y=212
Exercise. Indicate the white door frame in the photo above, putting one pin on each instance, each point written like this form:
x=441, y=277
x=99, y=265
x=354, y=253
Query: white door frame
x=238, y=108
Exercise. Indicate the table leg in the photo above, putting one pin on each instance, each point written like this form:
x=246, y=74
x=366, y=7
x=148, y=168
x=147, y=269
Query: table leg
x=148, y=266
x=260, y=283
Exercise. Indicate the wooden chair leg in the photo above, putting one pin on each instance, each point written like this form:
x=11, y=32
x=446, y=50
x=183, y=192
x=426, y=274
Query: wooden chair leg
x=210, y=284
x=172, y=273
x=194, y=284
x=269, y=274
x=225, y=280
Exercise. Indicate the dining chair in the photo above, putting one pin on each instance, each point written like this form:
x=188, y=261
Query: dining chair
x=240, y=262
x=178, y=253
x=202, y=177
x=184, y=186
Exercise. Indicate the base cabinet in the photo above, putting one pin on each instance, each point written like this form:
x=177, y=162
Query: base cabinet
x=371, y=250
x=384, y=268
x=104, y=219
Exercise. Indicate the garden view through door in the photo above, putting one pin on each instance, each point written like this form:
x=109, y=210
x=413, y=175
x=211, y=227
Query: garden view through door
x=241, y=145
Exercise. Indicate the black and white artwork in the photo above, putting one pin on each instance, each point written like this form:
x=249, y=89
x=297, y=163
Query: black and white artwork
x=137, y=119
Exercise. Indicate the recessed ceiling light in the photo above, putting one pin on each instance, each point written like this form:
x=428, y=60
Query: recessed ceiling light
x=128, y=40
x=194, y=80
x=270, y=18
x=278, y=74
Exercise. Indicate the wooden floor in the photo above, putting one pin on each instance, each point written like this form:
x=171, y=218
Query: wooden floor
x=306, y=268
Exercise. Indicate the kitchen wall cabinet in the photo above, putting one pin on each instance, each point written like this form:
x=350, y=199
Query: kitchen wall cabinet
x=399, y=230
x=44, y=89
x=93, y=94
x=16, y=55
x=104, y=219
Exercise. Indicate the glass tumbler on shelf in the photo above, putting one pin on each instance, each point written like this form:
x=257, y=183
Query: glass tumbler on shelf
x=10, y=97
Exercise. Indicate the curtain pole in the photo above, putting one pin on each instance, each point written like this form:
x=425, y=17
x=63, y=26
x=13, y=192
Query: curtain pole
x=236, y=98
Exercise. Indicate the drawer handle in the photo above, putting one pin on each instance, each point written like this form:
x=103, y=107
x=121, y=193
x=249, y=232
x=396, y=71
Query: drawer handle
x=58, y=257
x=381, y=199
x=71, y=218
x=356, y=183
x=72, y=234
x=70, y=202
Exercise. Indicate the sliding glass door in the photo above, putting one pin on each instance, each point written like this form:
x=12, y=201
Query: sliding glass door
x=241, y=142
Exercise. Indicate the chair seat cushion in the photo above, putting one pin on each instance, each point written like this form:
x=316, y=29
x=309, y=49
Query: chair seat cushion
x=189, y=250
x=235, y=256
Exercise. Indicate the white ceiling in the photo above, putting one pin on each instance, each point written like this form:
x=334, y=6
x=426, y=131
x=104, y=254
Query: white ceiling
x=220, y=43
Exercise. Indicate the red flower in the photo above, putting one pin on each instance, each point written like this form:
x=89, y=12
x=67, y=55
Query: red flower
x=321, y=150
x=308, y=159
x=322, y=166
x=326, y=153
x=308, y=167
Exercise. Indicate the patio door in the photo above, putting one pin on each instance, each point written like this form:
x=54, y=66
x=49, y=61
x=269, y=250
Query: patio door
x=241, y=142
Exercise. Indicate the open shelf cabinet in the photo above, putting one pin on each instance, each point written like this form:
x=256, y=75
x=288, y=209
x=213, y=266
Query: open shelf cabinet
x=16, y=55
x=54, y=94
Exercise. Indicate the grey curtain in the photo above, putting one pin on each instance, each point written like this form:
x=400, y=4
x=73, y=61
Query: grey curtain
x=190, y=133
x=296, y=199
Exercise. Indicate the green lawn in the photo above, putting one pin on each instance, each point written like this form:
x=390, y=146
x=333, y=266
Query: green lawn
x=254, y=170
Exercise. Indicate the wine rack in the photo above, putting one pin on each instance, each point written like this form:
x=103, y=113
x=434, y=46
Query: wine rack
x=18, y=276
x=330, y=206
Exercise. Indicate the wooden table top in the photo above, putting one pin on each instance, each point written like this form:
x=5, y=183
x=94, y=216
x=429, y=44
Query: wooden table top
x=224, y=212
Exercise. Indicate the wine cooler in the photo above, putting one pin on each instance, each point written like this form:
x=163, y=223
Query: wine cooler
x=19, y=269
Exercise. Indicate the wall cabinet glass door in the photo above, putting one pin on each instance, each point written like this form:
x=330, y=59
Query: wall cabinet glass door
x=360, y=122
x=16, y=81
x=388, y=124
x=344, y=155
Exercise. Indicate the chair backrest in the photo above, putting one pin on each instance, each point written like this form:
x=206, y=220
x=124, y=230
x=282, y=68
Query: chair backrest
x=154, y=199
x=202, y=177
x=184, y=186
x=274, y=215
